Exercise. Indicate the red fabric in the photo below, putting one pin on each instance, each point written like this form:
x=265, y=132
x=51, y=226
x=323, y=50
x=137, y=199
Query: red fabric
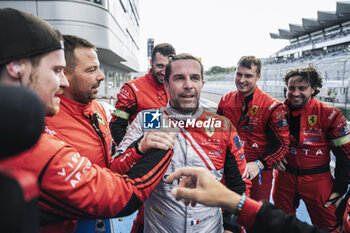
x=140, y=94
x=262, y=192
x=313, y=189
x=73, y=187
x=25, y=179
x=248, y=213
x=126, y=161
x=314, y=145
x=72, y=125
x=137, y=225
x=319, y=123
x=263, y=110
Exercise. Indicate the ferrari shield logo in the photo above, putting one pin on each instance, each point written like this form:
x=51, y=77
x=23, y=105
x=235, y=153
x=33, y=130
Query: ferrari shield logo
x=254, y=110
x=100, y=119
x=312, y=120
x=209, y=130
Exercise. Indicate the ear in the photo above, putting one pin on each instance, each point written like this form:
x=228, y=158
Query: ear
x=150, y=62
x=14, y=69
x=259, y=76
x=313, y=89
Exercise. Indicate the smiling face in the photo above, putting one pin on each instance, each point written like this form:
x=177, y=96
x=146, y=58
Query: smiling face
x=185, y=85
x=158, y=67
x=299, y=92
x=86, y=76
x=246, y=80
x=48, y=79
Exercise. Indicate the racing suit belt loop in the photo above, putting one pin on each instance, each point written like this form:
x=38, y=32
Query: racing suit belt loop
x=309, y=171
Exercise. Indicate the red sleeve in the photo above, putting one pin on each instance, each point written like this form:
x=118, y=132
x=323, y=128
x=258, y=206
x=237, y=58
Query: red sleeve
x=123, y=162
x=277, y=131
x=125, y=106
x=339, y=136
x=126, y=101
x=72, y=186
x=248, y=213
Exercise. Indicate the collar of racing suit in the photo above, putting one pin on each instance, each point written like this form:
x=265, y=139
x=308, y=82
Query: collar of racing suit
x=74, y=107
x=177, y=115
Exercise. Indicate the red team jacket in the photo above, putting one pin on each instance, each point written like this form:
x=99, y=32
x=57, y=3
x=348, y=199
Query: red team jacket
x=85, y=127
x=72, y=187
x=264, y=130
x=140, y=94
x=322, y=128
x=137, y=95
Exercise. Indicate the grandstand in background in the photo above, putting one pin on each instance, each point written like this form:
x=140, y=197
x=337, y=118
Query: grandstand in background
x=325, y=42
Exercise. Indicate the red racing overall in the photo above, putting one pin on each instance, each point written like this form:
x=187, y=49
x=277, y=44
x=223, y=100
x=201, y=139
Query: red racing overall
x=135, y=96
x=85, y=127
x=314, y=130
x=264, y=131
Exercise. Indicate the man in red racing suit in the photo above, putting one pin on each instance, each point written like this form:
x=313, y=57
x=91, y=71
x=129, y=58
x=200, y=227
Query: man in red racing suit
x=70, y=186
x=261, y=124
x=82, y=121
x=146, y=92
x=315, y=129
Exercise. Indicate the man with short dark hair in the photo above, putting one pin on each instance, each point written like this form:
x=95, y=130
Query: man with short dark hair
x=315, y=129
x=261, y=123
x=142, y=93
x=71, y=187
x=82, y=121
x=205, y=140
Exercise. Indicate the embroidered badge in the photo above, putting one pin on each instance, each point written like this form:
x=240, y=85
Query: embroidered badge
x=312, y=119
x=254, y=110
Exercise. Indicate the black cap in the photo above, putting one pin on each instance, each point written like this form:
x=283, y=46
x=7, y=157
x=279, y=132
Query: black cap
x=25, y=35
x=21, y=119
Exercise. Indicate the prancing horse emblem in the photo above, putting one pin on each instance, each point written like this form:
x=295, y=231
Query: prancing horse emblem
x=312, y=120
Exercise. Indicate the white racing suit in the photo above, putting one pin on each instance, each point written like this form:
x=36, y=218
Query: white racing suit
x=216, y=147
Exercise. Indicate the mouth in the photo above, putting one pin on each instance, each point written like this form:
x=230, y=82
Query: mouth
x=242, y=85
x=187, y=96
x=160, y=77
x=95, y=88
x=58, y=92
x=296, y=99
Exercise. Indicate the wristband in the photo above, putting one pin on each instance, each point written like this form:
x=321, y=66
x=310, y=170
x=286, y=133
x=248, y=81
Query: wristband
x=239, y=208
x=260, y=169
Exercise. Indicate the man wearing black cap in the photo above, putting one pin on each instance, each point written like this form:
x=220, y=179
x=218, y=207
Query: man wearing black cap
x=71, y=187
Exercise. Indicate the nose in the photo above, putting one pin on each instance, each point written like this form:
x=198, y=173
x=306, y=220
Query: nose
x=100, y=75
x=188, y=84
x=295, y=93
x=63, y=81
x=240, y=78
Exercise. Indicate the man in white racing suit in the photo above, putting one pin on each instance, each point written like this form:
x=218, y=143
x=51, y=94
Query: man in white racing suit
x=205, y=140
